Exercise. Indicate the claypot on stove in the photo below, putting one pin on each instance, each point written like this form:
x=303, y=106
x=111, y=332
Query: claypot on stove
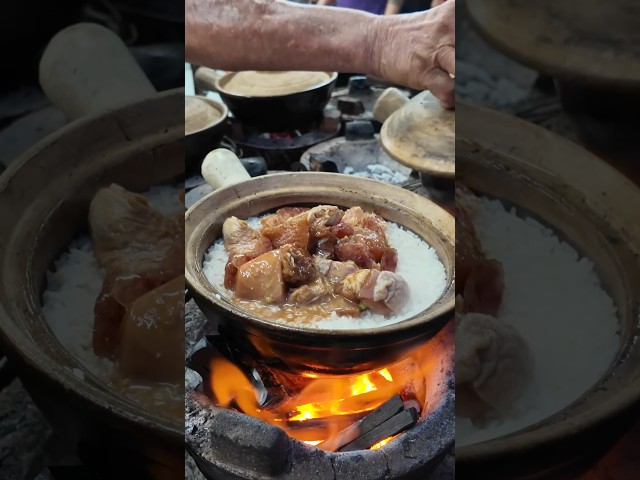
x=205, y=125
x=44, y=200
x=276, y=101
x=588, y=203
x=308, y=349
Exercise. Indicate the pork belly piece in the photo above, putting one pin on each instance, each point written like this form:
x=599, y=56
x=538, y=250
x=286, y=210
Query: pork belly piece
x=367, y=246
x=484, y=288
x=243, y=244
x=480, y=279
x=130, y=236
x=468, y=249
x=293, y=231
x=381, y=291
x=319, y=295
x=107, y=313
x=367, y=249
x=262, y=279
x=322, y=218
x=282, y=214
x=494, y=366
x=318, y=291
x=118, y=292
x=353, y=216
x=322, y=233
x=334, y=271
x=151, y=344
x=139, y=248
x=298, y=266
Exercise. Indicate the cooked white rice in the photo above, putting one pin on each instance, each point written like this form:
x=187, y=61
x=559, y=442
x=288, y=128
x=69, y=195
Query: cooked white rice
x=73, y=286
x=554, y=299
x=418, y=264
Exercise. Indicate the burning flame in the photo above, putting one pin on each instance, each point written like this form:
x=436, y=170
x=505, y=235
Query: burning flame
x=382, y=443
x=322, y=406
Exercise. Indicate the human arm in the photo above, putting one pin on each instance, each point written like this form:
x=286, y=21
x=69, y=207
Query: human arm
x=415, y=50
x=277, y=35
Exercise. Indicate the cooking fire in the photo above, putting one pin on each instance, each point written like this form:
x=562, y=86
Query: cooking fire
x=332, y=413
x=248, y=417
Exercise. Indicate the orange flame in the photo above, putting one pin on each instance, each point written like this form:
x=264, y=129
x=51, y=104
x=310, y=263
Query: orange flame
x=382, y=443
x=325, y=405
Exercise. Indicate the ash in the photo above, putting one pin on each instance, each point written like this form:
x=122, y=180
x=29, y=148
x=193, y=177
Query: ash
x=378, y=172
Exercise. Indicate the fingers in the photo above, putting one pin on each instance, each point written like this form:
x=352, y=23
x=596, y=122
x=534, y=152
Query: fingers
x=443, y=87
x=446, y=59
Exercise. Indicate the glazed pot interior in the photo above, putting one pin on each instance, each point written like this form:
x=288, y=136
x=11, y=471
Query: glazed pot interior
x=587, y=204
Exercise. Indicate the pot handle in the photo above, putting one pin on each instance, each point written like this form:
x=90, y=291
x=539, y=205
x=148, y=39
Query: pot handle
x=86, y=69
x=391, y=100
x=207, y=79
x=221, y=168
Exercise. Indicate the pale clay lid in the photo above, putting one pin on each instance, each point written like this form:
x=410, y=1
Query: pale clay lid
x=421, y=135
x=199, y=114
x=270, y=84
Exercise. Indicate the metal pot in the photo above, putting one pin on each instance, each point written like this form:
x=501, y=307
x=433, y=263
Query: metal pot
x=44, y=200
x=306, y=349
x=280, y=112
x=589, y=203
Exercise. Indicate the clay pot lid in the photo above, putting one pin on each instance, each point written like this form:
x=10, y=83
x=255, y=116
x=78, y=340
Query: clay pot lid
x=421, y=135
x=253, y=83
x=593, y=41
x=201, y=113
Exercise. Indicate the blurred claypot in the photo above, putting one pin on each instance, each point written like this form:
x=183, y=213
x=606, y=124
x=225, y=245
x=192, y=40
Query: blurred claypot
x=131, y=136
x=588, y=203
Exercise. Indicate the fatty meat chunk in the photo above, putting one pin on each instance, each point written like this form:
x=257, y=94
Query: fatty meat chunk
x=493, y=366
x=262, y=279
x=152, y=335
x=243, y=244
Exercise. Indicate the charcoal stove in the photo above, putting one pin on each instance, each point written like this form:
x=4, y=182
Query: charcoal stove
x=249, y=449
x=281, y=149
x=227, y=444
x=366, y=157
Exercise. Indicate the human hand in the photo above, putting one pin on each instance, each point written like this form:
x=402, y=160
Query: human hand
x=435, y=3
x=418, y=51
